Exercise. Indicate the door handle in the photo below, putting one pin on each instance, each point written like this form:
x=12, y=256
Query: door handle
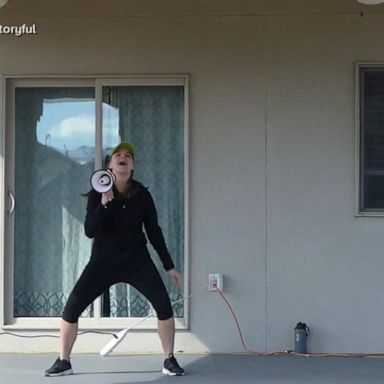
x=12, y=207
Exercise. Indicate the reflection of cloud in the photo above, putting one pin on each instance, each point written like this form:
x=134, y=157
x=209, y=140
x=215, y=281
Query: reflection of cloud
x=74, y=128
x=76, y=131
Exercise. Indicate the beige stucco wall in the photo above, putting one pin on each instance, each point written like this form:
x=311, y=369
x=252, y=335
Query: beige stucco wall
x=272, y=155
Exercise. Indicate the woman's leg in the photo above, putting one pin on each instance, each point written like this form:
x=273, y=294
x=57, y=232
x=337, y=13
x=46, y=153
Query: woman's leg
x=94, y=280
x=166, y=330
x=167, y=335
x=68, y=333
x=148, y=281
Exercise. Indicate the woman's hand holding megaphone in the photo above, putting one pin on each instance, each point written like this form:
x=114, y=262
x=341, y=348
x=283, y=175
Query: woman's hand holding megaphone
x=106, y=197
x=102, y=181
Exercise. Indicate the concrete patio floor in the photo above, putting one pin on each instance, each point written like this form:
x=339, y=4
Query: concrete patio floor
x=201, y=369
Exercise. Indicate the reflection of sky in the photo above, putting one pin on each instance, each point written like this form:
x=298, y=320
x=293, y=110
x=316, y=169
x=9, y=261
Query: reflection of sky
x=69, y=125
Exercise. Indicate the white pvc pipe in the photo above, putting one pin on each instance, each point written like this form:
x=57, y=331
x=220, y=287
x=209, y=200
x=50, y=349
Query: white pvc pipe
x=118, y=337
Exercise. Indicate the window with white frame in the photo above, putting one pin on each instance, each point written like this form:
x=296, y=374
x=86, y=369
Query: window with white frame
x=59, y=131
x=371, y=138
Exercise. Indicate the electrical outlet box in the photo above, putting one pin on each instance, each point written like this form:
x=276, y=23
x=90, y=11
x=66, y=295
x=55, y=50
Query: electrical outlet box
x=215, y=281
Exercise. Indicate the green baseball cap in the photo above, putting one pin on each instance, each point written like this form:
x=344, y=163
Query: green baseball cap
x=125, y=147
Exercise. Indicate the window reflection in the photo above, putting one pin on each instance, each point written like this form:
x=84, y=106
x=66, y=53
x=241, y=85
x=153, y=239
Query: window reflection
x=68, y=127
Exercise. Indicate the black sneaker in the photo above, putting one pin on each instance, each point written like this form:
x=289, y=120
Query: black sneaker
x=171, y=367
x=59, y=368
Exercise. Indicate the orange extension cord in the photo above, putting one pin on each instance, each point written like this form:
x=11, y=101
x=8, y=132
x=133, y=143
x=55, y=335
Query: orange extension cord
x=288, y=352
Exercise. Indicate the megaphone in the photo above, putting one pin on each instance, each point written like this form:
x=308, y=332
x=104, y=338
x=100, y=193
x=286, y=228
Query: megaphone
x=102, y=180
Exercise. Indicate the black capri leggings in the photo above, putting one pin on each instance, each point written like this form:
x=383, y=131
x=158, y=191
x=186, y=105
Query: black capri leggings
x=98, y=276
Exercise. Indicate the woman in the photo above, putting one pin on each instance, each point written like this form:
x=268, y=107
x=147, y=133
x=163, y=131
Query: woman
x=115, y=221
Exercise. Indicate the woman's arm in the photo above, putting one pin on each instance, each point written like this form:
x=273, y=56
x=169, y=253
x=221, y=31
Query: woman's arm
x=97, y=208
x=155, y=234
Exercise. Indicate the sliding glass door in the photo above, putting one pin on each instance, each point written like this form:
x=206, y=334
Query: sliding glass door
x=57, y=135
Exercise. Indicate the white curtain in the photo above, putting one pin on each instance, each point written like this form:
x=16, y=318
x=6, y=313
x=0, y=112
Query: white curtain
x=152, y=118
x=50, y=246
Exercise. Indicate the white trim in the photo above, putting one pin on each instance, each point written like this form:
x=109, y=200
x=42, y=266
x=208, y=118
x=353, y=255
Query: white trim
x=98, y=163
x=65, y=80
x=105, y=323
x=359, y=213
x=49, y=82
x=99, y=125
x=177, y=80
x=186, y=201
x=13, y=81
x=370, y=214
x=8, y=185
x=357, y=139
x=2, y=199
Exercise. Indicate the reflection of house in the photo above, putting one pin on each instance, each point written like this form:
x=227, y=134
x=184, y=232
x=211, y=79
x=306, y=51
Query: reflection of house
x=272, y=155
x=81, y=155
x=43, y=227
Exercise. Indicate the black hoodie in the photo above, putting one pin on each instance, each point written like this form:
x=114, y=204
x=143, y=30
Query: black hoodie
x=117, y=227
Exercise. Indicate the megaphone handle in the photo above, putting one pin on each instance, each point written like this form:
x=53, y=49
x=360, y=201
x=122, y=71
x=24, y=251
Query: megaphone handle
x=106, y=197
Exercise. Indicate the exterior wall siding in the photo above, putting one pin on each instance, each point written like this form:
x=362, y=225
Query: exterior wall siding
x=272, y=158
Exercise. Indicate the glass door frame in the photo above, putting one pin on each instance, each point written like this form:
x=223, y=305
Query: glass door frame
x=9, y=84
